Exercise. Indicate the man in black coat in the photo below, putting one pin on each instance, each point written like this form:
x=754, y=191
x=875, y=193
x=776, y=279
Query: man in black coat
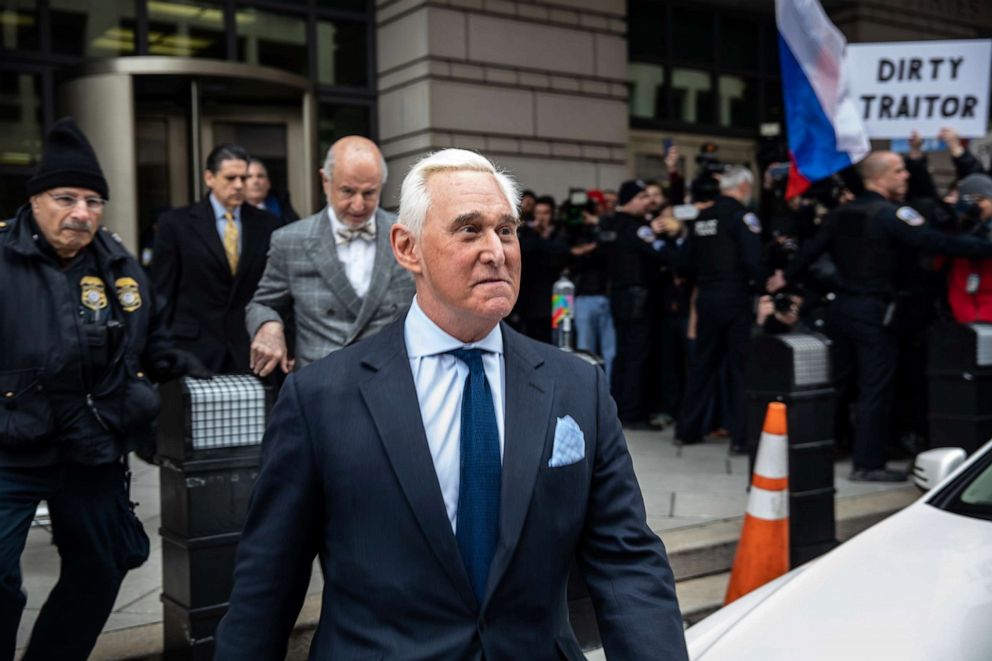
x=83, y=339
x=208, y=259
x=544, y=254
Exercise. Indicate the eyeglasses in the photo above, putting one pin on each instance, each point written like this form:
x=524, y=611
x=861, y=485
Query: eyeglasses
x=94, y=204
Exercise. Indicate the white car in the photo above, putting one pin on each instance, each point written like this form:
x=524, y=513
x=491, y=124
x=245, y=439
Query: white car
x=917, y=586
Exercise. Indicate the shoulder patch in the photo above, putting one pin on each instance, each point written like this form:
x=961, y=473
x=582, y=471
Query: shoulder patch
x=752, y=222
x=910, y=216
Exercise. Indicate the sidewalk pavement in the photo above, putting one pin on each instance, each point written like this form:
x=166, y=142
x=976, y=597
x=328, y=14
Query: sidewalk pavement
x=682, y=487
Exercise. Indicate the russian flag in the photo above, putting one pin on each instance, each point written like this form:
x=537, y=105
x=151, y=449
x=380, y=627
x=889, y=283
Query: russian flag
x=825, y=132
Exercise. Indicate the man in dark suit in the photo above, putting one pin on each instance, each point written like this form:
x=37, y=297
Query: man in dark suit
x=208, y=259
x=447, y=470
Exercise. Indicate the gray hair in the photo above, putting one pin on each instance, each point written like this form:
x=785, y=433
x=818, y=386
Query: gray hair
x=329, y=163
x=415, y=199
x=735, y=176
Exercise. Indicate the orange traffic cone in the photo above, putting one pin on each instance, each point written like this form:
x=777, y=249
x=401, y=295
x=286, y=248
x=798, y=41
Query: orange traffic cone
x=763, y=550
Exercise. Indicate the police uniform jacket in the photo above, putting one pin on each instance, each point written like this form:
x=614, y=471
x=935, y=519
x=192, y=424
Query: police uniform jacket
x=867, y=239
x=723, y=251
x=58, y=402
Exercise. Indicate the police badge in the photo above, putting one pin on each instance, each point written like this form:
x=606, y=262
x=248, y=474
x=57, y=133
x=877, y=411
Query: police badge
x=93, y=294
x=128, y=294
x=752, y=222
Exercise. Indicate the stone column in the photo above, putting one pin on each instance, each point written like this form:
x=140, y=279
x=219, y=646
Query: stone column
x=539, y=87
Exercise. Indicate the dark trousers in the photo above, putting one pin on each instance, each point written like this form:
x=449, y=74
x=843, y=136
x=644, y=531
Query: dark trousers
x=722, y=330
x=87, y=505
x=868, y=352
x=632, y=319
x=674, y=354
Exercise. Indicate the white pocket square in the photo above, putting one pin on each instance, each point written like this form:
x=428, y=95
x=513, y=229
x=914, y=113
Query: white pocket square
x=570, y=444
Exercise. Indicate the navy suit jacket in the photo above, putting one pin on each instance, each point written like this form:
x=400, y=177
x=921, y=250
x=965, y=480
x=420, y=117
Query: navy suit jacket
x=347, y=476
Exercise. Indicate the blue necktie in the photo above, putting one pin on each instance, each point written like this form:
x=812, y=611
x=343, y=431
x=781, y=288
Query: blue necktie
x=478, y=491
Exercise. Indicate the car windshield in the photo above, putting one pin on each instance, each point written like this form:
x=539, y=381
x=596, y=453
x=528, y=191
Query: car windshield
x=974, y=498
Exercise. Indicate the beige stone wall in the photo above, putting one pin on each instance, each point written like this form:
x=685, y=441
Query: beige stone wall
x=538, y=86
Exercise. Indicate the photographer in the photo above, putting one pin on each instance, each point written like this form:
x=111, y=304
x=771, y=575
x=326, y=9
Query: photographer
x=543, y=255
x=590, y=241
x=779, y=313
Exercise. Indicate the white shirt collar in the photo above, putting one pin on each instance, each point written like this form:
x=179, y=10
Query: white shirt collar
x=425, y=338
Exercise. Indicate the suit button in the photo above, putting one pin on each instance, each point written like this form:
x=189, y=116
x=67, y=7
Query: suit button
x=140, y=375
x=482, y=625
x=331, y=311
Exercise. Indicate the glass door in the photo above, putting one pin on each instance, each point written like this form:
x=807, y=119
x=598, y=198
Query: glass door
x=272, y=135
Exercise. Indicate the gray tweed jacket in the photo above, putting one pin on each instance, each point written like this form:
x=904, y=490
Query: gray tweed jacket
x=304, y=280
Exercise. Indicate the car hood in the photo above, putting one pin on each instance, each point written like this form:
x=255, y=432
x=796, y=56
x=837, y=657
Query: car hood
x=915, y=586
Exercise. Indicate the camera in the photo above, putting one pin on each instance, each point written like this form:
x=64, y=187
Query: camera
x=705, y=186
x=570, y=213
x=968, y=212
x=783, y=302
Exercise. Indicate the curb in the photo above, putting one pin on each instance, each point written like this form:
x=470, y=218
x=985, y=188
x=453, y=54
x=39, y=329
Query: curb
x=702, y=556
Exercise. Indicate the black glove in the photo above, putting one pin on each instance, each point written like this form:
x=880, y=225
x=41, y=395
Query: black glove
x=175, y=363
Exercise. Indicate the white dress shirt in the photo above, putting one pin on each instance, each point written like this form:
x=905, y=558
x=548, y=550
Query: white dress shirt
x=440, y=378
x=357, y=257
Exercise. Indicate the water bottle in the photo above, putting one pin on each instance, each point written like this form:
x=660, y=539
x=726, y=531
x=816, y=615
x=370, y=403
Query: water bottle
x=563, y=312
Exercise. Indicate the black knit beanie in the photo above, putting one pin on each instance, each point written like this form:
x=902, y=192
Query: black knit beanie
x=68, y=160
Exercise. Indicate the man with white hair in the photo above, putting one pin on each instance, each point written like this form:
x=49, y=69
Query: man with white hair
x=724, y=254
x=332, y=274
x=448, y=470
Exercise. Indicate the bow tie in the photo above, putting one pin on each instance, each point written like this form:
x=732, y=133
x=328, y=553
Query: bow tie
x=365, y=232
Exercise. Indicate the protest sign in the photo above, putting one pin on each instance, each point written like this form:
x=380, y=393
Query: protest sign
x=904, y=86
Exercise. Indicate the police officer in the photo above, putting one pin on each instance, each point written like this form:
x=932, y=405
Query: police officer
x=82, y=340
x=723, y=252
x=636, y=256
x=868, y=238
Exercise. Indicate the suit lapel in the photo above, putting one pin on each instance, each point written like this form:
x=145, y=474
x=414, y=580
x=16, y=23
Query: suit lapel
x=324, y=254
x=205, y=225
x=528, y=409
x=391, y=397
x=380, y=274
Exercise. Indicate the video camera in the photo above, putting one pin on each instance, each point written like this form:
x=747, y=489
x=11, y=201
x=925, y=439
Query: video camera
x=570, y=211
x=705, y=186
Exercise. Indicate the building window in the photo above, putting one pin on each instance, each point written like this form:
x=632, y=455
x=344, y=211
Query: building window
x=701, y=68
x=20, y=118
x=342, y=53
x=692, y=93
x=338, y=120
x=347, y=5
x=693, y=34
x=186, y=28
x=19, y=25
x=93, y=28
x=648, y=99
x=276, y=40
x=738, y=98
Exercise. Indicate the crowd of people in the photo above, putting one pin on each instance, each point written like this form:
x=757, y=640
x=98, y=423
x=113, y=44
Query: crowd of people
x=671, y=280
x=417, y=531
